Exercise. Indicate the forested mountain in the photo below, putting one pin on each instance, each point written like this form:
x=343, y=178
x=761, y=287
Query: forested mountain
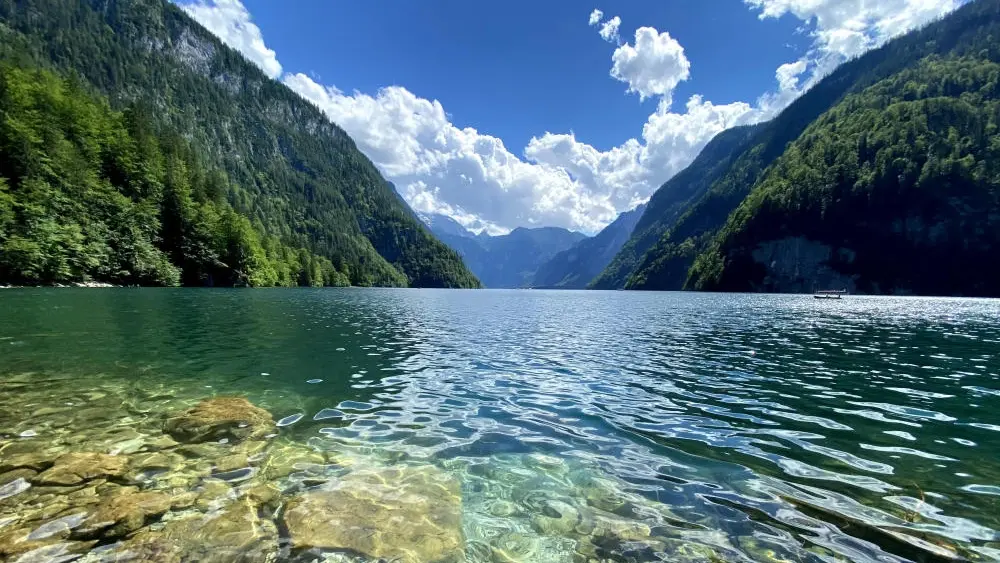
x=503, y=261
x=894, y=190
x=266, y=159
x=575, y=267
x=970, y=32
x=671, y=200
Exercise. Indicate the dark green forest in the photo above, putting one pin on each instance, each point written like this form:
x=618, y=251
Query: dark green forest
x=712, y=194
x=901, y=182
x=88, y=193
x=225, y=176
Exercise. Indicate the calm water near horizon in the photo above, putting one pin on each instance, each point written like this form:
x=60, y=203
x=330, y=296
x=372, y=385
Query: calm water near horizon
x=572, y=425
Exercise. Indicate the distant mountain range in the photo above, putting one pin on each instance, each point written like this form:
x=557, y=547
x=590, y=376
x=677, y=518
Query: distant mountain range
x=547, y=257
x=576, y=266
x=504, y=261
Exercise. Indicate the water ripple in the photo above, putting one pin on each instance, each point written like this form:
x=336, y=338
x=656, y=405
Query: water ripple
x=753, y=424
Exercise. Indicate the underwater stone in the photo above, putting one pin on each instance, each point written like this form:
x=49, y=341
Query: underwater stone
x=556, y=518
x=155, y=461
x=231, y=463
x=59, y=527
x=75, y=468
x=162, y=443
x=233, y=534
x=123, y=514
x=16, y=474
x=222, y=418
x=30, y=460
x=262, y=494
x=16, y=547
x=15, y=487
x=403, y=514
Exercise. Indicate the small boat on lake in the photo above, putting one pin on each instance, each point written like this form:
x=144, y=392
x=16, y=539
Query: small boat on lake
x=830, y=293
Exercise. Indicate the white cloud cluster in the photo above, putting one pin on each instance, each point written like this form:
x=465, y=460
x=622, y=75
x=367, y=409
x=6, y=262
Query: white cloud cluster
x=654, y=66
x=230, y=21
x=609, y=30
x=558, y=179
x=595, y=17
x=842, y=29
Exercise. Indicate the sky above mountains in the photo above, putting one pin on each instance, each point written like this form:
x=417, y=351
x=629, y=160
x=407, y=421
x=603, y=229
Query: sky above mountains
x=548, y=113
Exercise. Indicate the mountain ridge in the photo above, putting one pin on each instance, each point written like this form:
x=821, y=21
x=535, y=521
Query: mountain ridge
x=503, y=261
x=295, y=175
x=577, y=266
x=667, y=263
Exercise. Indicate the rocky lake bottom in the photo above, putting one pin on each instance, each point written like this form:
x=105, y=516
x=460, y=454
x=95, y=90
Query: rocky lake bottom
x=105, y=471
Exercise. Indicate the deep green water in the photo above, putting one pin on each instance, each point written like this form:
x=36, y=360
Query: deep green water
x=759, y=427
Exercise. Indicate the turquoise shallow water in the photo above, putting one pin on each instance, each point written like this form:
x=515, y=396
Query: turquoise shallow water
x=737, y=427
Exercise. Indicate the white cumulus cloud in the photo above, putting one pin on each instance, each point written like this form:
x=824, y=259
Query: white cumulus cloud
x=609, y=30
x=558, y=179
x=230, y=21
x=654, y=66
x=842, y=29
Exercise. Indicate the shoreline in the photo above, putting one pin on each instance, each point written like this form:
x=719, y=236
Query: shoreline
x=91, y=284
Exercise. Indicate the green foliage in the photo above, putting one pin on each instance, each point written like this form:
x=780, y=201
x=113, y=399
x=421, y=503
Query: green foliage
x=902, y=181
x=88, y=193
x=970, y=31
x=273, y=157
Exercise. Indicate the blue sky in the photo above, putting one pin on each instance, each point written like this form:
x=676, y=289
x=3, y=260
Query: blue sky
x=548, y=112
x=521, y=68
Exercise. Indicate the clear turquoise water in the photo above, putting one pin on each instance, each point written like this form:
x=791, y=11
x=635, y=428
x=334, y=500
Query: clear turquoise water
x=768, y=426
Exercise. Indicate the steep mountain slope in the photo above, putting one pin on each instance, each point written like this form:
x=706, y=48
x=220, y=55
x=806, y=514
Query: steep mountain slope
x=670, y=201
x=297, y=177
x=575, y=267
x=88, y=193
x=968, y=30
x=894, y=190
x=504, y=261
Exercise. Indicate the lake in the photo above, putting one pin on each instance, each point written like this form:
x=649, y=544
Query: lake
x=436, y=425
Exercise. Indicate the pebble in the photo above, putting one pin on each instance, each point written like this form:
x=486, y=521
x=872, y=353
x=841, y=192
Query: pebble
x=28, y=434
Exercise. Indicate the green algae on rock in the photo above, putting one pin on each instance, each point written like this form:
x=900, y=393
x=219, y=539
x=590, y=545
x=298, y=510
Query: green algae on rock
x=221, y=418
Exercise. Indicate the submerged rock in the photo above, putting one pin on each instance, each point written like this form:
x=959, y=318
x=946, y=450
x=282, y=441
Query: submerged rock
x=233, y=534
x=231, y=463
x=75, y=468
x=14, y=487
x=33, y=460
x=222, y=418
x=123, y=514
x=402, y=514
